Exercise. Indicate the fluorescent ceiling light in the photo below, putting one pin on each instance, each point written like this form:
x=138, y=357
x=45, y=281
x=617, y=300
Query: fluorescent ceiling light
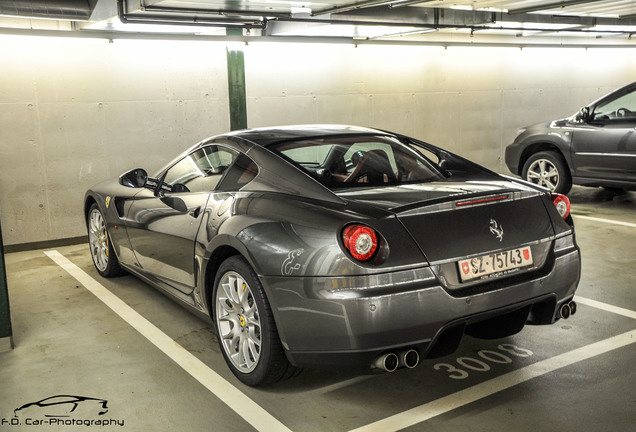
x=615, y=29
x=115, y=25
x=406, y=33
x=533, y=26
x=349, y=31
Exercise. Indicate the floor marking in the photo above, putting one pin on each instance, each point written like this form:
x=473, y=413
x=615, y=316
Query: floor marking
x=608, y=221
x=606, y=307
x=495, y=385
x=261, y=420
x=251, y=412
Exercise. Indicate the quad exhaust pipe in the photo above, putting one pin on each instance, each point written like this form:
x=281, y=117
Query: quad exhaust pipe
x=389, y=362
x=567, y=309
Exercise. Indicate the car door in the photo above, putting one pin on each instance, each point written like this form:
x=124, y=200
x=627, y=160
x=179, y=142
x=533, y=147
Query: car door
x=163, y=223
x=605, y=147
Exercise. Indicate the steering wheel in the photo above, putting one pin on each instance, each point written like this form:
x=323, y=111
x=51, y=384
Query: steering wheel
x=623, y=112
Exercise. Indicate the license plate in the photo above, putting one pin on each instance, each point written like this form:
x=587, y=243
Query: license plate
x=495, y=264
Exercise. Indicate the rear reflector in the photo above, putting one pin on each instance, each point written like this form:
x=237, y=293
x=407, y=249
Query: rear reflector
x=562, y=204
x=360, y=241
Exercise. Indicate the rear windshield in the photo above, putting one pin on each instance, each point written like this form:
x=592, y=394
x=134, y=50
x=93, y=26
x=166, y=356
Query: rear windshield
x=359, y=161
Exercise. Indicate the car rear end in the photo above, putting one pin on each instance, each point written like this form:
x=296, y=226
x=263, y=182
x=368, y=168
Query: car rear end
x=479, y=254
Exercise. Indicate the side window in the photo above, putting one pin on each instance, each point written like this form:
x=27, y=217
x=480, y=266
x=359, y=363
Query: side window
x=239, y=174
x=622, y=108
x=200, y=171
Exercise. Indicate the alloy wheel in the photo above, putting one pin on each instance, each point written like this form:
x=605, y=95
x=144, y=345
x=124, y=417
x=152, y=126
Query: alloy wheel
x=544, y=173
x=238, y=322
x=98, y=239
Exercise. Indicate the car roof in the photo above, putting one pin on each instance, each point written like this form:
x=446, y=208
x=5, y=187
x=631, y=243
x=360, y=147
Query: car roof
x=268, y=135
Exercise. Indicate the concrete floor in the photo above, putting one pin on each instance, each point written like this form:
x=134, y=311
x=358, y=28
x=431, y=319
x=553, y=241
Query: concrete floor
x=575, y=375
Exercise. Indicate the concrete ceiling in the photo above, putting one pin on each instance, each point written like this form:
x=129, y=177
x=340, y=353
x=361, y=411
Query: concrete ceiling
x=433, y=22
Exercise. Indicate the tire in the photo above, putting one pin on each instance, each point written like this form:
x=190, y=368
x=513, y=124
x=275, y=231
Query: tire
x=101, y=247
x=548, y=169
x=245, y=326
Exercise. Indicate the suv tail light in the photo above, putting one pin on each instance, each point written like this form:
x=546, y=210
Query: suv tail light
x=562, y=204
x=360, y=241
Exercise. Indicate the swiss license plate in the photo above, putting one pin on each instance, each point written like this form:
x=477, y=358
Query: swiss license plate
x=495, y=264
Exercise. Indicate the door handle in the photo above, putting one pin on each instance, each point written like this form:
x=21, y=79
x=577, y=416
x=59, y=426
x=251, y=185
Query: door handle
x=195, y=212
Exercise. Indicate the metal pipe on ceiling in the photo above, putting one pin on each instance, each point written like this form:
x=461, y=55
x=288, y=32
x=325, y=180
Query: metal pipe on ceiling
x=128, y=18
x=222, y=12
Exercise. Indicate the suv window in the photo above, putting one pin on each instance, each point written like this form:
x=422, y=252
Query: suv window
x=621, y=108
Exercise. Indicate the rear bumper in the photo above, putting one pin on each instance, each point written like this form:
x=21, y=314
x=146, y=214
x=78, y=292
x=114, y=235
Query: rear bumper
x=348, y=321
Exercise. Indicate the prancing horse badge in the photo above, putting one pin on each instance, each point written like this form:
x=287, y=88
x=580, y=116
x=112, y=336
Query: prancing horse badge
x=496, y=229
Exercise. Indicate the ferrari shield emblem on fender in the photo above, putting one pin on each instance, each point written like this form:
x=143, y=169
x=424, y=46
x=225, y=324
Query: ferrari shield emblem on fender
x=496, y=229
x=107, y=201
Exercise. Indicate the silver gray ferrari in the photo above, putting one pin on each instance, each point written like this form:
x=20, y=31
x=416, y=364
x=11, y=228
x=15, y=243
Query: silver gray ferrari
x=338, y=246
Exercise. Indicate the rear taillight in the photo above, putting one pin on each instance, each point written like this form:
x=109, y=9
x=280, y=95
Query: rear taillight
x=360, y=241
x=562, y=204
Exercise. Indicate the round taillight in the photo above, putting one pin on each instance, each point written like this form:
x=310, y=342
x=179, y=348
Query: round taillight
x=360, y=241
x=562, y=204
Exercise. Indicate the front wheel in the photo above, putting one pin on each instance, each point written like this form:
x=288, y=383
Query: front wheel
x=548, y=169
x=245, y=326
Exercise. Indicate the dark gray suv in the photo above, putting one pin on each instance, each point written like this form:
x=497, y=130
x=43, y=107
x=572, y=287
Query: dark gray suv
x=595, y=147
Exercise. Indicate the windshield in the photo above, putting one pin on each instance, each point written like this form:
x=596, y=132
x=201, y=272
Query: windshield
x=359, y=161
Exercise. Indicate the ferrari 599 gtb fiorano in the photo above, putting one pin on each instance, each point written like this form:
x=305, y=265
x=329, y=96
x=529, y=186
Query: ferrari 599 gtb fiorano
x=338, y=246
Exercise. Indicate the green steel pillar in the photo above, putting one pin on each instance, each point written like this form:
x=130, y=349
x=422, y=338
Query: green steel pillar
x=236, y=84
x=6, y=337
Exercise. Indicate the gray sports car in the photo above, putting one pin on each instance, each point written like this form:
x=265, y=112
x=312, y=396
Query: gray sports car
x=338, y=246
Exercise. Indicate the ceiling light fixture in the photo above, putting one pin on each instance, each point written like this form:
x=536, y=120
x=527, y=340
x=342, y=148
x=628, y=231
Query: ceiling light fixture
x=406, y=33
x=555, y=5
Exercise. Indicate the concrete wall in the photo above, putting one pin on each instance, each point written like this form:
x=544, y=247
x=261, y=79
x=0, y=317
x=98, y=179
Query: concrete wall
x=75, y=112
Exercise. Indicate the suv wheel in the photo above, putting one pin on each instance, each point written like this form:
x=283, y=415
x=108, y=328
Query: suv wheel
x=548, y=169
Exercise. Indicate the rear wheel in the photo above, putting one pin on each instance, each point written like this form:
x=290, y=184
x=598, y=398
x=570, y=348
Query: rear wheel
x=548, y=169
x=102, y=251
x=245, y=326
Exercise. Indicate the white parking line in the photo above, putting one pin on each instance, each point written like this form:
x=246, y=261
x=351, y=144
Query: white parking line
x=441, y=406
x=607, y=221
x=251, y=412
x=606, y=307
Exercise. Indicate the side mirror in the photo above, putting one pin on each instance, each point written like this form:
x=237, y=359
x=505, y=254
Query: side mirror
x=584, y=115
x=136, y=178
